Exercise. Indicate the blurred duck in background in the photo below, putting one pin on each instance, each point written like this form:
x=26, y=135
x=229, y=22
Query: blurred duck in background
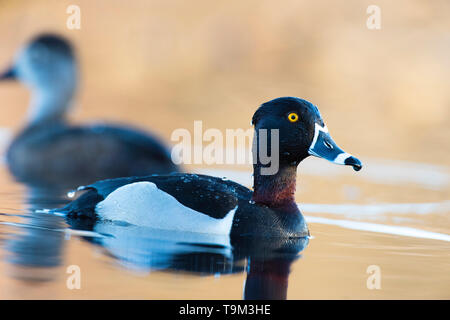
x=51, y=152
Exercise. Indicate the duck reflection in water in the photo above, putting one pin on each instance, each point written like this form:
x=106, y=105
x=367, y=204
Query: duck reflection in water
x=36, y=254
x=267, y=261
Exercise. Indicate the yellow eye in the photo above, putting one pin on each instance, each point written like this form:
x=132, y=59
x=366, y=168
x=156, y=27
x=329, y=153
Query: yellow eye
x=293, y=117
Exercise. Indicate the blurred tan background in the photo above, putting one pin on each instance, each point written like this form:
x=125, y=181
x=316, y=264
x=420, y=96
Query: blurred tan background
x=160, y=65
x=163, y=64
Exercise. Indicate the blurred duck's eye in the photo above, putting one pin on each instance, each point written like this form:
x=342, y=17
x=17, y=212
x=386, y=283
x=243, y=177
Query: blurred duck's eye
x=293, y=117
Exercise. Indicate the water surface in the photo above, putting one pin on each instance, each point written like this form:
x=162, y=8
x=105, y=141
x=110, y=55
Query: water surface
x=409, y=242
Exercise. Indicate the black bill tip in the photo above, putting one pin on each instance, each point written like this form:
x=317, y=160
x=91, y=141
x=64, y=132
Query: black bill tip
x=354, y=162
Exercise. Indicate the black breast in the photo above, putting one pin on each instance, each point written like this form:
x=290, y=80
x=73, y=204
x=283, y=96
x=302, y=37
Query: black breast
x=255, y=220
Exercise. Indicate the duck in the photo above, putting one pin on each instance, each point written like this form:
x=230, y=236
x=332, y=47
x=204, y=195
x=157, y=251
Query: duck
x=206, y=204
x=49, y=151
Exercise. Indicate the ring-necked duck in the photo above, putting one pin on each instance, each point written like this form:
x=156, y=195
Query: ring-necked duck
x=198, y=203
x=51, y=151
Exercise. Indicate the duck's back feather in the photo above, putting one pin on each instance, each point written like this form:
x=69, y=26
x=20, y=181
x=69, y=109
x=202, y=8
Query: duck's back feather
x=212, y=196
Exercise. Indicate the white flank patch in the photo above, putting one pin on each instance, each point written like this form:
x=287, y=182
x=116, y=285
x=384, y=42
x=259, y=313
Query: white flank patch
x=143, y=204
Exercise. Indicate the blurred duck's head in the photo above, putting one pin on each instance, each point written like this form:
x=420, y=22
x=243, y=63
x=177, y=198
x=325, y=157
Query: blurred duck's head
x=48, y=67
x=46, y=63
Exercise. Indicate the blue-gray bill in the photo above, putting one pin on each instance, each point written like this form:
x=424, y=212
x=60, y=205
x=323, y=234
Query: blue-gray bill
x=323, y=146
